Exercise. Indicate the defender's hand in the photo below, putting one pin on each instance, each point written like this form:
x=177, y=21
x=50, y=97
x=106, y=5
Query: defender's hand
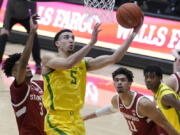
x=33, y=22
x=137, y=28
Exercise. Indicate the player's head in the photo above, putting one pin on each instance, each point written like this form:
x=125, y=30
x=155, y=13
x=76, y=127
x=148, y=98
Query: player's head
x=123, y=79
x=64, y=41
x=10, y=66
x=152, y=77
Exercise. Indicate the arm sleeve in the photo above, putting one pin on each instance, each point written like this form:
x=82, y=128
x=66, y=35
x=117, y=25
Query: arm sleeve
x=106, y=110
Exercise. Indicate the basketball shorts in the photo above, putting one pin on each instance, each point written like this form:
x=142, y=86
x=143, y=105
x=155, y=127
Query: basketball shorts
x=64, y=123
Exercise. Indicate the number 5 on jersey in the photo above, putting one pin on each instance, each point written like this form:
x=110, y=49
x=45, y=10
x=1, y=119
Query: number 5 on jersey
x=73, y=75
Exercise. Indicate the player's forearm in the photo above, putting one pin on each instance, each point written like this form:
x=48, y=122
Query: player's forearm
x=166, y=125
x=177, y=105
x=119, y=53
x=101, y=112
x=169, y=129
x=28, y=48
x=90, y=116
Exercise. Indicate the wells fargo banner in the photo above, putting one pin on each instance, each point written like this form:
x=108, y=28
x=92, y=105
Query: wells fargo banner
x=156, y=38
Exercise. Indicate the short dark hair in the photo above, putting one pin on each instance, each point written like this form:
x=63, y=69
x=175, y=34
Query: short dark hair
x=125, y=72
x=9, y=63
x=153, y=69
x=59, y=33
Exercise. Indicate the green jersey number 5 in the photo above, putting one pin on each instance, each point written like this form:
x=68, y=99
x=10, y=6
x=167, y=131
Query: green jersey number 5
x=73, y=75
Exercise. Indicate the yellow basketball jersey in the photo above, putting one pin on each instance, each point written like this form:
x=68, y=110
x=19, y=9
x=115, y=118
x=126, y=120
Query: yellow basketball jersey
x=64, y=89
x=171, y=114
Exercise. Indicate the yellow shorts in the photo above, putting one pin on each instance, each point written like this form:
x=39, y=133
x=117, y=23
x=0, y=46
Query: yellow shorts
x=64, y=123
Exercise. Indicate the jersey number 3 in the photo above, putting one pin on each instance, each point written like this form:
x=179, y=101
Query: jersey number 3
x=73, y=75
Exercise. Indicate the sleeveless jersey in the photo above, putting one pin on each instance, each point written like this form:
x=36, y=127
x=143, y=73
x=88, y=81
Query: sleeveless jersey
x=138, y=125
x=27, y=104
x=168, y=112
x=64, y=89
x=177, y=75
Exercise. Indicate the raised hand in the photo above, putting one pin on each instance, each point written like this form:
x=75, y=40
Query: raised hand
x=95, y=33
x=137, y=28
x=33, y=22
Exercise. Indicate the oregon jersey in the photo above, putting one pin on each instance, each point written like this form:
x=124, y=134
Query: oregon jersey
x=64, y=89
x=171, y=114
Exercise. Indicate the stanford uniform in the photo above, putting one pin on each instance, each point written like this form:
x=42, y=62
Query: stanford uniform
x=138, y=125
x=177, y=76
x=27, y=104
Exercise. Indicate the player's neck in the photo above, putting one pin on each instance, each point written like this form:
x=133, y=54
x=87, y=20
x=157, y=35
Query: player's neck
x=127, y=97
x=28, y=80
x=63, y=54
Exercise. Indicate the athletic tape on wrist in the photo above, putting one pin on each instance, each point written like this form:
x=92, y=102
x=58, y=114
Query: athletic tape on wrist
x=106, y=110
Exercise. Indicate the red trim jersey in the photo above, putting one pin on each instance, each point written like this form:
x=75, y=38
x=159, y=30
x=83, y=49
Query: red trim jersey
x=138, y=125
x=28, y=108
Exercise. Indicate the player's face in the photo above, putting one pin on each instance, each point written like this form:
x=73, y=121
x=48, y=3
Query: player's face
x=152, y=81
x=121, y=83
x=66, y=42
x=28, y=72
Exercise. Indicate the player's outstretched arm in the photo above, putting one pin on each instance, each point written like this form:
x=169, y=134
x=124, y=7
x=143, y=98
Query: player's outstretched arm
x=104, y=110
x=102, y=61
x=148, y=109
x=66, y=63
x=23, y=62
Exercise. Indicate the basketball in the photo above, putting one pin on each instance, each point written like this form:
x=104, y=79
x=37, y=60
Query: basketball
x=129, y=15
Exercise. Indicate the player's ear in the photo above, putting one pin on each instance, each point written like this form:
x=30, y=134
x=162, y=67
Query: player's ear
x=57, y=43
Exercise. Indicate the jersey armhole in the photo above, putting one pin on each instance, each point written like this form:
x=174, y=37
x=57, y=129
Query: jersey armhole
x=37, y=85
x=137, y=103
x=23, y=100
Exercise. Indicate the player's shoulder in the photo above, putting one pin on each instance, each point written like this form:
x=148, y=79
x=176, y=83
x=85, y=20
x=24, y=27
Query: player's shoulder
x=114, y=100
x=38, y=83
x=145, y=101
x=47, y=56
x=88, y=58
x=173, y=76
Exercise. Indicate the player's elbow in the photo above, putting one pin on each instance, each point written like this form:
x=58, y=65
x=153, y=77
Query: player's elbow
x=112, y=59
x=116, y=59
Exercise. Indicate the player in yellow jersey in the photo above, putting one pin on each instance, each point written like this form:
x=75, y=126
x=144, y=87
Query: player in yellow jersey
x=167, y=99
x=64, y=78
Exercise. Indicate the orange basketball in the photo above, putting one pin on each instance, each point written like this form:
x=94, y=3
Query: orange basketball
x=129, y=15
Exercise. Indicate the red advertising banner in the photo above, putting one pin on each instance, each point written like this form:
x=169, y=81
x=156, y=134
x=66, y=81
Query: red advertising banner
x=156, y=38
